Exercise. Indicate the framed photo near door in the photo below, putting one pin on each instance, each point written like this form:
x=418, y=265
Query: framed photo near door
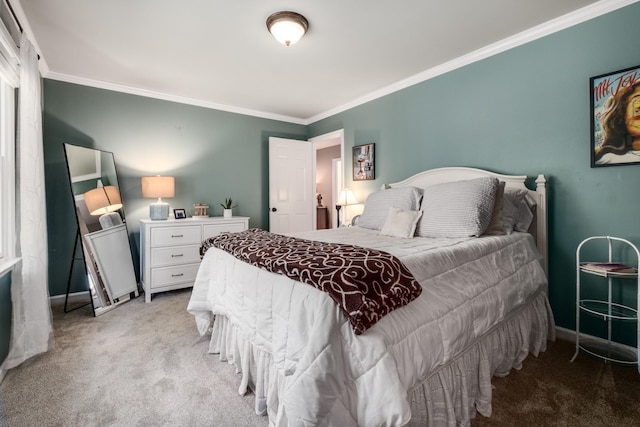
x=363, y=162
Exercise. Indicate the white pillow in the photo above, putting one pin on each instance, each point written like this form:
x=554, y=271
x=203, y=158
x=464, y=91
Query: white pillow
x=496, y=225
x=376, y=208
x=457, y=209
x=517, y=213
x=401, y=223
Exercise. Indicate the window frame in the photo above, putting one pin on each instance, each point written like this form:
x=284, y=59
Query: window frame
x=9, y=82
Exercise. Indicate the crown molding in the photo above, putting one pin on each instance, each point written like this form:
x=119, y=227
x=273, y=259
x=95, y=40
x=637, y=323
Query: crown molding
x=169, y=97
x=566, y=21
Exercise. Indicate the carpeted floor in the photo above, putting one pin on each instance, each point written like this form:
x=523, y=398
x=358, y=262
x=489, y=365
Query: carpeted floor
x=3, y=417
x=551, y=391
x=138, y=365
x=145, y=365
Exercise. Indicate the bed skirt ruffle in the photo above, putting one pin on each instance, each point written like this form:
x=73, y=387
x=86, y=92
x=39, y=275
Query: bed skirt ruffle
x=449, y=397
x=452, y=395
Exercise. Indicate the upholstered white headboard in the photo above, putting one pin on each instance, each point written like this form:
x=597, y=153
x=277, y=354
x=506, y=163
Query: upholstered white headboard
x=538, y=196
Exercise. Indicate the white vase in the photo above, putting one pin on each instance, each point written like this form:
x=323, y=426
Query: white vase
x=228, y=213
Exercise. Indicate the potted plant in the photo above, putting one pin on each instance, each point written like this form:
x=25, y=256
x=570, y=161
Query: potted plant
x=228, y=208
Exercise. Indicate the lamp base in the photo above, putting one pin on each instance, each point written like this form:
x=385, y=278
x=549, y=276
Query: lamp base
x=110, y=220
x=159, y=211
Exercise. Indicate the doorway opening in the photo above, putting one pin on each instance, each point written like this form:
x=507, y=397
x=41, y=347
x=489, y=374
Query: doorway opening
x=329, y=176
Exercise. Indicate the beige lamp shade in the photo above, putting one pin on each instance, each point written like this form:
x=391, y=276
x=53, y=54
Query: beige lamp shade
x=346, y=198
x=102, y=200
x=158, y=186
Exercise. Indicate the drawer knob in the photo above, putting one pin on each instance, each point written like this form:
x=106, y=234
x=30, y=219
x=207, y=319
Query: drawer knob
x=176, y=255
x=177, y=275
x=177, y=235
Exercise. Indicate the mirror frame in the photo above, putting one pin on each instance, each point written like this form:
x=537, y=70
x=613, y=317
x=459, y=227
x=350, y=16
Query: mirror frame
x=95, y=171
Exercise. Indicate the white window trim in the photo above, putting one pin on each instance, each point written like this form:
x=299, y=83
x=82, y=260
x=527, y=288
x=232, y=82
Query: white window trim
x=9, y=80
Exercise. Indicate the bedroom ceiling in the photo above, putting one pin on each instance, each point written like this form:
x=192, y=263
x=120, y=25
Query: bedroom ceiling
x=219, y=54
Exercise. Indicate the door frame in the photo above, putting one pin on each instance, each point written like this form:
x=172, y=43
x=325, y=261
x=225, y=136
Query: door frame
x=323, y=141
x=338, y=184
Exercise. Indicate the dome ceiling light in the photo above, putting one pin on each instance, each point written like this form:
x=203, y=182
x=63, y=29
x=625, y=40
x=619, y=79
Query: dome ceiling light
x=287, y=27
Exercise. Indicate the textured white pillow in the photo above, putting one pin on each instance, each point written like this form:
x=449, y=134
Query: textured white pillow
x=376, y=208
x=401, y=223
x=457, y=209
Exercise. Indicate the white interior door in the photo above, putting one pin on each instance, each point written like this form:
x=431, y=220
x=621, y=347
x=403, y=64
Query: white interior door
x=291, y=185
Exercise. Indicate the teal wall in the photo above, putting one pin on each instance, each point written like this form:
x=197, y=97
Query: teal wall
x=212, y=154
x=5, y=315
x=525, y=111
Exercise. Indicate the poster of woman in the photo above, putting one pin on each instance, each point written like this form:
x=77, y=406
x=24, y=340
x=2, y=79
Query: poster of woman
x=615, y=118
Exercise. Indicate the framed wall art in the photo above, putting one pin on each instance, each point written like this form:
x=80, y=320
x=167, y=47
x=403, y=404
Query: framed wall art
x=615, y=118
x=363, y=162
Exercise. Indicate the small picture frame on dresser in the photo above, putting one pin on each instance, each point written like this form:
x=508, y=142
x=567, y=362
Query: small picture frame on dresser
x=179, y=213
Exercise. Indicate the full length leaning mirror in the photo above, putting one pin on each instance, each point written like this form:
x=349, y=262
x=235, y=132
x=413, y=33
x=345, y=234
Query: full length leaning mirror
x=101, y=228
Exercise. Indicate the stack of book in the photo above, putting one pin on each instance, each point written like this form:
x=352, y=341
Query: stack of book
x=609, y=267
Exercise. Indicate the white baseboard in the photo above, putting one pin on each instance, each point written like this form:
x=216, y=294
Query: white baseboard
x=570, y=335
x=565, y=334
x=73, y=297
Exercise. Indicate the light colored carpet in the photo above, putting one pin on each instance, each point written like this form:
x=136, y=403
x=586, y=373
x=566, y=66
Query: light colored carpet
x=3, y=418
x=145, y=365
x=137, y=365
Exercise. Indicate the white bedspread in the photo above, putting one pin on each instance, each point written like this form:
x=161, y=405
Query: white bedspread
x=323, y=369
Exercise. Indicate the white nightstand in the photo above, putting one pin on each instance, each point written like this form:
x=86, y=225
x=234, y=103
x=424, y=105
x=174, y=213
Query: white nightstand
x=170, y=249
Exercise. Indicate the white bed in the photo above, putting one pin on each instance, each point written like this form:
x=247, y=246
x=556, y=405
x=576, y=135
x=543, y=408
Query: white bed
x=482, y=310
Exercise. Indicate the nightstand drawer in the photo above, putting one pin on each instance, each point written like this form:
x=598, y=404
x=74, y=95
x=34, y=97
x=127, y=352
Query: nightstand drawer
x=164, y=276
x=212, y=230
x=175, y=255
x=166, y=236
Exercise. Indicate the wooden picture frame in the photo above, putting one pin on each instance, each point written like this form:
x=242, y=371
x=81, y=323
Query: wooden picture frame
x=615, y=118
x=363, y=158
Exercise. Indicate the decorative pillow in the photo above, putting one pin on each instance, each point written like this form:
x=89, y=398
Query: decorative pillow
x=496, y=226
x=401, y=223
x=457, y=209
x=376, y=208
x=525, y=214
x=517, y=214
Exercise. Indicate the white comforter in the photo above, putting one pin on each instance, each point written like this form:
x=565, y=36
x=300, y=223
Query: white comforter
x=327, y=374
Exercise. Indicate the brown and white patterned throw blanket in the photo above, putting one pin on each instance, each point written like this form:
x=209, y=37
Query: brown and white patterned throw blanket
x=365, y=283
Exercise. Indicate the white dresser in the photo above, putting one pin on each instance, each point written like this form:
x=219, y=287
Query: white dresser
x=170, y=249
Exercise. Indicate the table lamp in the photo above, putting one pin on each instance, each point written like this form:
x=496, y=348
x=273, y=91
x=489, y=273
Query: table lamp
x=104, y=201
x=345, y=198
x=158, y=186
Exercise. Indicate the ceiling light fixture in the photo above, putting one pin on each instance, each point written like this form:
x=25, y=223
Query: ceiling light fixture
x=287, y=27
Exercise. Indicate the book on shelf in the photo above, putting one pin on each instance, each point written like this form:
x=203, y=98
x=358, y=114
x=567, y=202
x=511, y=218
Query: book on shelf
x=609, y=267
